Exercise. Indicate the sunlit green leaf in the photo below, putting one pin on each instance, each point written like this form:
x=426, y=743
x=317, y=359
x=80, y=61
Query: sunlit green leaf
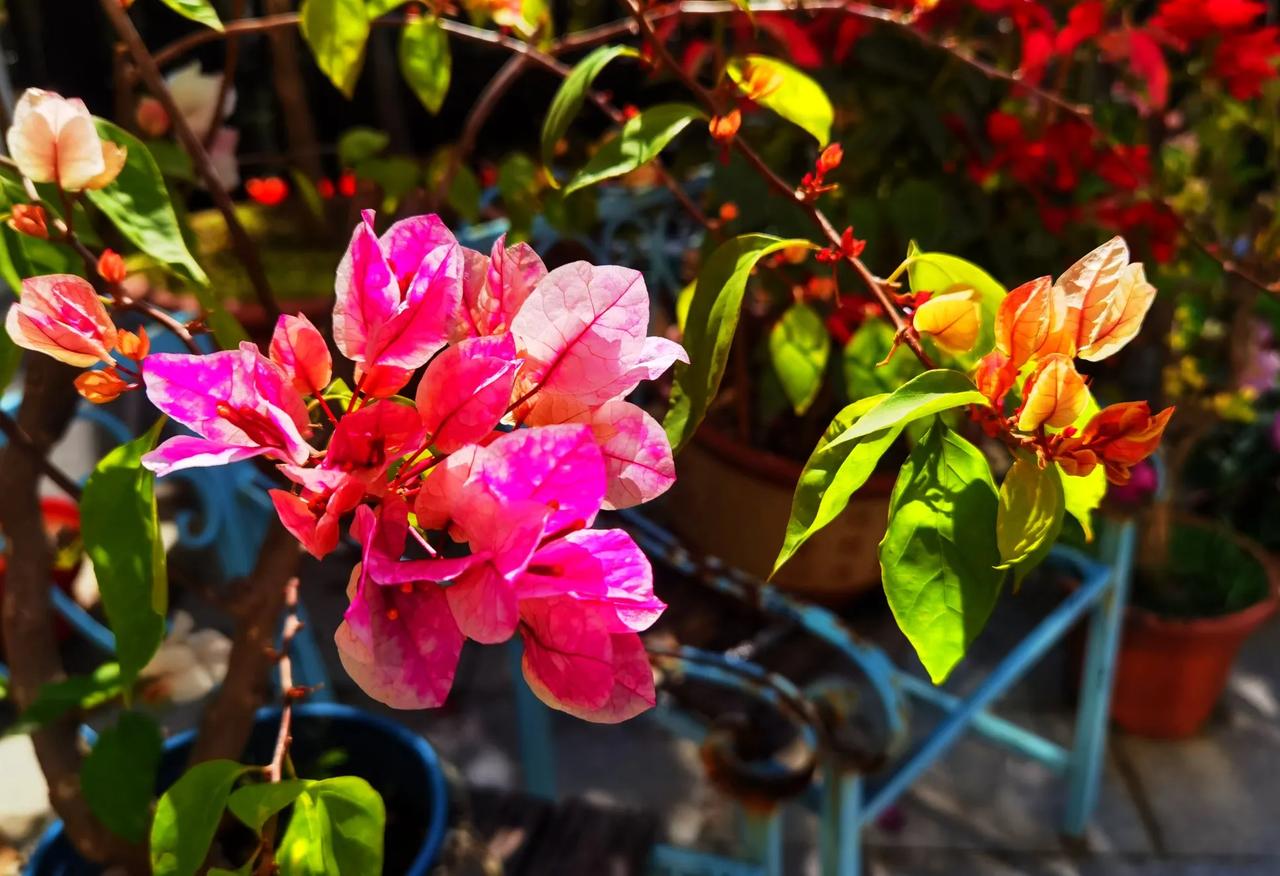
x=425, y=61
x=254, y=804
x=798, y=348
x=792, y=94
x=1030, y=515
x=336, y=31
x=200, y=11
x=56, y=698
x=711, y=322
x=861, y=358
x=938, y=556
x=567, y=103
x=118, y=778
x=187, y=817
x=121, y=534
x=337, y=827
x=938, y=272
x=639, y=142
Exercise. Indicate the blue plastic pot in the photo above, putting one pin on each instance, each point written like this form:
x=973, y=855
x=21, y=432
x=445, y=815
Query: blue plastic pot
x=329, y=739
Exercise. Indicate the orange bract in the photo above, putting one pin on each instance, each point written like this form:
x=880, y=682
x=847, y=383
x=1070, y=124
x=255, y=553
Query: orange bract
x=1030, y=322
x=1054, y=395
x=1119, y=437
x=953, y=320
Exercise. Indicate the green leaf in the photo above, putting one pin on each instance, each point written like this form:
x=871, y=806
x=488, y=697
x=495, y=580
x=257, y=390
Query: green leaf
x=56, y=698
x=799, y=347
x=938, y=272
x=381, y=7
x=1083, y=495
x=639, y=142
x=358, y=144
x=929, y=393
x=567, y=103
x=798, y=99
x=861, y=358
x=138, y=204
x=395, y=175
x=118, y=777
x=1030, y=515
x=121, y=534
x=199, y=11
x=425, y=61
x=172, y=160
x=832, y=475
x=187, y=817
x=518, y=186
x=938, y=556
x=337, y=827
x=336, y=31
x=711, y=322
x=254, y=804
x=10, y=358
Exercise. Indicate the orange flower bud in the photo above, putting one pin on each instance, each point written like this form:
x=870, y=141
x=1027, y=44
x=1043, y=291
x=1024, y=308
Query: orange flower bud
x=111, y=266
x=994, y=376
x=101, y=386
x=1119, y=437
x=953, y=320
x=830, y=159
x=725, y=128
x=133, y=346
x=29, y=219
x=152, y=118
x=1054, y=395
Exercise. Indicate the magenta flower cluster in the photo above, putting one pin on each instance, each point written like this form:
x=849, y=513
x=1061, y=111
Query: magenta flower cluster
x=491, y=476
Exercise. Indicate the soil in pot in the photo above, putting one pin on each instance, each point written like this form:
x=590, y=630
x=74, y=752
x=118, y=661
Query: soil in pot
x=1184, y=627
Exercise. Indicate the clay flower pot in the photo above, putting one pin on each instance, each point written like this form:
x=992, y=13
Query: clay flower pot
x=733, y=501
x=1171, y=670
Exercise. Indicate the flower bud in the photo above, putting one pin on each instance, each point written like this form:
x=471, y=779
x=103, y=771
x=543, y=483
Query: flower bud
x=953, y=320
x=111, y=266
x=29, y=219
x=152, y=118
x=725, y=128
x=101, y=386
x=133, y=346
x=830, y=159
x=298, y=347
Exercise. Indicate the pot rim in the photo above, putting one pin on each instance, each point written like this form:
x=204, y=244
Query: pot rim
x=1241, y=621
x=770, y=466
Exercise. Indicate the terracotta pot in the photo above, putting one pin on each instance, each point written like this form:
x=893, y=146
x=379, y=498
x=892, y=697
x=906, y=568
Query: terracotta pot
x=733, y=501
x=1171, y=671
x=59, y=514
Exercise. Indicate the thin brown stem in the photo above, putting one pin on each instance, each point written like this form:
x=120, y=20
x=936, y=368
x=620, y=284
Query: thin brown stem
x=230, y=60
x=20, y=439
x=245, y=249
x=292, y=625
x=481, y=110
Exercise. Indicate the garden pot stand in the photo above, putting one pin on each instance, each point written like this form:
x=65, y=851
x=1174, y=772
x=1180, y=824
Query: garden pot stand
x=849, y=795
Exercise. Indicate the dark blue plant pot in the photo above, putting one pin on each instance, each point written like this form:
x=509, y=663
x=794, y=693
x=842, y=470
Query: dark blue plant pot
x=329, y=739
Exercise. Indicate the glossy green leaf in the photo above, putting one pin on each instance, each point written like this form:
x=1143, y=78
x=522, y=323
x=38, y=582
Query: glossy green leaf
x=929, y=393
x=199, y=11
x=121, y=534
x=254, y=804
x=1030, y=515
x=832, y=475
x=172, y=160
x=336, y=31
x=798, y=99
x=138, y=204
x=337, y=827
x=118, y=778
x=798, y=348
x=1083, y=495
x=56, y=698
x=567, y=103
x=425, y=61
x=711, y=322
x=938, y=556
x=639, y=142
x=187, y=817
x=939, y=272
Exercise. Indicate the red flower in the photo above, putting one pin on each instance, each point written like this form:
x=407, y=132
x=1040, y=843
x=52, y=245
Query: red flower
x=1143, y=222
x=1125, y=167
x=267, y=191
x=1146, y=62
x=1244, y=61
x=1190, y=20
x=347, y=183
x=1084, y=22
x=325, y=188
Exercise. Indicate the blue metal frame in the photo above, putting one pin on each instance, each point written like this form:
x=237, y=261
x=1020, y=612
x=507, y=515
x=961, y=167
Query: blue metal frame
x=846, y=797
